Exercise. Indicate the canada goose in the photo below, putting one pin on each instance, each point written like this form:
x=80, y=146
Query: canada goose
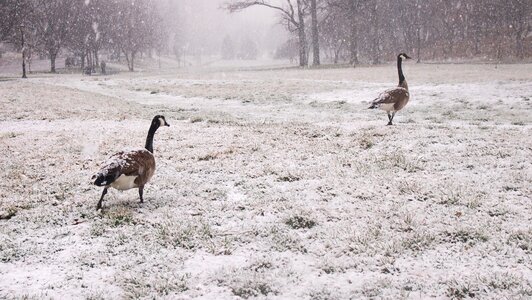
x=393, y=100
x=129, y=169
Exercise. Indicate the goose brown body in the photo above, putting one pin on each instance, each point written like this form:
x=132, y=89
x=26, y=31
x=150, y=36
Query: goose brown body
x=135, y=166
x=392, y=100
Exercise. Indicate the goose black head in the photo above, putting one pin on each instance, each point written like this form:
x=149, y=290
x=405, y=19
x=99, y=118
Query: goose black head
x=159, y=120
x=403, y=56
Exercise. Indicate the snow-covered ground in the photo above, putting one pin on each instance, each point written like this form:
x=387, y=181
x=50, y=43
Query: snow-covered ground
x=272, y=183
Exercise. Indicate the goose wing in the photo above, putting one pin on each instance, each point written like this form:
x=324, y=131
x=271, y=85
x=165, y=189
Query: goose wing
x=134, y=162
x=391, y=96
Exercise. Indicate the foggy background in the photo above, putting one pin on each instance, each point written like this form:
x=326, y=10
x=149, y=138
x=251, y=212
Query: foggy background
x=81, y=34
x=205, y=24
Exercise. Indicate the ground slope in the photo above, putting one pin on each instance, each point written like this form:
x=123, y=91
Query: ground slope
x=270, y=184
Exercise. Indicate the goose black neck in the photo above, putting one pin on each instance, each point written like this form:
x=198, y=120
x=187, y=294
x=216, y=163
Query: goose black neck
x=400, y=70
x=149, y=138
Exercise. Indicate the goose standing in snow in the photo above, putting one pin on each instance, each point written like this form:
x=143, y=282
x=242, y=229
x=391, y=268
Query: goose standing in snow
x=393, y=100
x=129, y=169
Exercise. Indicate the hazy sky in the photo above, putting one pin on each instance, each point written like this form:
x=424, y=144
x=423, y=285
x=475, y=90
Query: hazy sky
x=206, y=21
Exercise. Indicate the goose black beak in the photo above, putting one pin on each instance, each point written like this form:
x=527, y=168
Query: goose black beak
x=167, y=125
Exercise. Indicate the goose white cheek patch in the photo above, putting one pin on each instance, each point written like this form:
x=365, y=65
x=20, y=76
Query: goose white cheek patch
x=161, y=122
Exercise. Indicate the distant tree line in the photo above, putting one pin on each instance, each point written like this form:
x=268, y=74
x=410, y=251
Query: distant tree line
x=82, y=27
x=247, y=49
x=371, y=31
x=353, y=31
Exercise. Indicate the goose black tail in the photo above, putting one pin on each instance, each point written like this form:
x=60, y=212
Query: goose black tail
x=373, y=106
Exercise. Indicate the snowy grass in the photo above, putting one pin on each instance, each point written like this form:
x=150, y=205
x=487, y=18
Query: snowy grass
x=274, y=183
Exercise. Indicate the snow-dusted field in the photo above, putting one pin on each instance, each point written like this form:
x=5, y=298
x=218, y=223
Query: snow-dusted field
x=271, y=183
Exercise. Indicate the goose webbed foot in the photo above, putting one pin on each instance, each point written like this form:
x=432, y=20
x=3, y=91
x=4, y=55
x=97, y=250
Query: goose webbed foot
x=99, y=205
x=389, y=123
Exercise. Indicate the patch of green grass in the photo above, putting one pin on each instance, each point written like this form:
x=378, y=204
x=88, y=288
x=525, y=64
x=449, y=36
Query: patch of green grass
x=288, y=178
x=119, y=216
x=150, y=285
x=461, y=290
x=300, y=222
x=400, y=160
x=8, y=213
x=470, y=237
x=324, y=293
x=97, y=229
x=281, y=241
x=450, y=196
x=246, y=283
x=522, y=239
x=9, y=250
x=187, y=234
x=252, y=289
x=418, y=241
x=366, y=142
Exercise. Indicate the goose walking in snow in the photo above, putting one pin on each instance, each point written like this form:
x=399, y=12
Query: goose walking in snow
x=129, y=169
x=393, y=100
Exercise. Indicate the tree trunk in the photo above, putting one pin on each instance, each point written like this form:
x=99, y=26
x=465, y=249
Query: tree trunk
x=477, y=44
x=353, y=42
x=519, y=37
x=303, y=62
x=89, y=62
x=82, y=63
x=336, y=55
x=28, y=59
x=23, y=53
x=376, y=33
x=96, y=59
x=353, y=46
x=315, y=34
x=132, y=62
x=127, y=59
x=53, y=56
x=418, y=46
x=24, y=63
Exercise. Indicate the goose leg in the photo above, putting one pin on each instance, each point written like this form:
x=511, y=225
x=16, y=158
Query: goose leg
x=390, y=119
x=141, y=193
x=393, y=115
x=99, y=205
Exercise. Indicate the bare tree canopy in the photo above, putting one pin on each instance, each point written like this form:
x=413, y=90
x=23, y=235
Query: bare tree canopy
x=372, y=30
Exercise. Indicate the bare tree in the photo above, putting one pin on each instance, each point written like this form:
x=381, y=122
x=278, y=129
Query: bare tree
x=334, y=30
x=431, y=29
x=135, y=24
x=518, y=15
x=18, y=27
x=293, y=13
x=53, y=22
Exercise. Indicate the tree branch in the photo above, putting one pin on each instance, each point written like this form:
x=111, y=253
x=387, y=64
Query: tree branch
x=241, y=5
